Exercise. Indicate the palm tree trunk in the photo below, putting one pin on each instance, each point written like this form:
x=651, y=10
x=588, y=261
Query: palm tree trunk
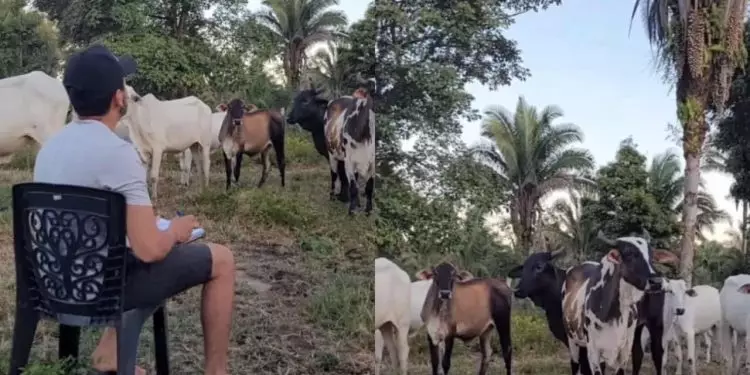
x=743, y=229
x=694, y=135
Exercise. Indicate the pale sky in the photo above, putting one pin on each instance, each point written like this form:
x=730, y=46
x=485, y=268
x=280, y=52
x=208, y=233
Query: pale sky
x=582, y=59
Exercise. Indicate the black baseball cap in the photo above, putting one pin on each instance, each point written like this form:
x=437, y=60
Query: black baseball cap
x=97, y=71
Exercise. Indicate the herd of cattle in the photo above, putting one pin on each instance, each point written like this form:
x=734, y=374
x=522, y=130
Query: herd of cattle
x=35, y=106
x=598, y=310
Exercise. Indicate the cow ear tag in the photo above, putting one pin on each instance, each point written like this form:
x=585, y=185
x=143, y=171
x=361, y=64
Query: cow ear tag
x=614, y=256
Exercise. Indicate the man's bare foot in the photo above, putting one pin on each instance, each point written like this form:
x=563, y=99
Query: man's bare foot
x=105, y=355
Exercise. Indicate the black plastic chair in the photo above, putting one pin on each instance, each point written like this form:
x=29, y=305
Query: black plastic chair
x=71, y=267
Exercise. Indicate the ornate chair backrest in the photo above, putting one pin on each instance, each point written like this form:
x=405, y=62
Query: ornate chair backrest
x=70, y=252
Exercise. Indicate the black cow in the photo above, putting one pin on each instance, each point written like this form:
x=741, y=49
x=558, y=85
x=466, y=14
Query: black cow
x=541, y=281
x=309, y=112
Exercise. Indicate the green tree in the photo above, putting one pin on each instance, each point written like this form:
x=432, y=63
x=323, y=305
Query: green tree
x=533, y=156
x=569, y=228
x=296, y=25
x=699, y=46
x=666, y=183
x=27, y=41
x=626, y=201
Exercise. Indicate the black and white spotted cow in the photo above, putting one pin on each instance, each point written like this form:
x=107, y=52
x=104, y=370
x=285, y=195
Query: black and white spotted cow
x=601, y=302
x=349, y=138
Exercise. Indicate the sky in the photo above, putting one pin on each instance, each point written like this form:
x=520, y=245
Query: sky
x=583, y=59
x=603, y=79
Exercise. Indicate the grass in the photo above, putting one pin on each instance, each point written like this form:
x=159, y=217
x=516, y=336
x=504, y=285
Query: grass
x=304, y=300
x=304, y=287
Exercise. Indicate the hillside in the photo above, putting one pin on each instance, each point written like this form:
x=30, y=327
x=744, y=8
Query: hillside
x=304, y=280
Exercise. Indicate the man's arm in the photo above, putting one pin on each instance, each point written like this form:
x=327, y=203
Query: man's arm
x=149, y=244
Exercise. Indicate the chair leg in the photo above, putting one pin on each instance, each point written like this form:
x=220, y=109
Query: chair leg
x=128, y=336
x=24, y=330
x=68, y=345
x=161, y=349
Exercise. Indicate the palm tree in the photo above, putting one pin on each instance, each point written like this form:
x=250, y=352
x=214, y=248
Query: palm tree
x=533, y=157
x=328, y=72
x=295, y=25
x=666, y=184
x=699, y=44
x=569, y=228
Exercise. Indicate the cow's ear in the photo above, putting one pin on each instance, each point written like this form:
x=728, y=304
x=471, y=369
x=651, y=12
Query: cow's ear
x=665, y=256
x=691, y=292
x=614, y=256
x=425, y=274
x=465, y=275
x=744, y=289
x=515, y=272
x=221, y=107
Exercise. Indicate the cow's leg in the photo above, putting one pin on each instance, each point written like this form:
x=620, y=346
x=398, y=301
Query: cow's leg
x=343, y=182
x=333, y=163
x=228, y=167
x=378, y=350
x=725, y=346
x=575, y=357
x=352, y=177
x=637, y=350
x=369, y=187
x=155, y=166
x=237, y=166
x=707, y=338
x=446, y=362
x=186, y=162
x=206, y=162
x=690, y=339
x=403, y=348
x=594, y=359
x=265, y=164
x=486, y=348
x=657, y=349
x=434, y=355
x=677, y=353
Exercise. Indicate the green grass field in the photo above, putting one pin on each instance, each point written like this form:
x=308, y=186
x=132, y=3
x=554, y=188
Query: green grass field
x=304, y=296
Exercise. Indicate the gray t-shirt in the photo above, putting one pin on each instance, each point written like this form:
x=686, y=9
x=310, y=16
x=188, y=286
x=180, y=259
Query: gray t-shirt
x=87, y=153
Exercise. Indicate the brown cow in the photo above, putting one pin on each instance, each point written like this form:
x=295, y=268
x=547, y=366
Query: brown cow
x=249, y=130
x=466, y=309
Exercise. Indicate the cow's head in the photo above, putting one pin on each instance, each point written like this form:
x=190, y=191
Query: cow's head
x=444, y=277
x=635, y=257
x=307, y=108
x=536, y=275
x=235, y=110
x=677, y=293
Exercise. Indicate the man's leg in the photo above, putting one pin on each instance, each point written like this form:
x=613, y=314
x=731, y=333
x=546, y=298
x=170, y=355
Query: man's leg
x=216, y=310
x=184, y=267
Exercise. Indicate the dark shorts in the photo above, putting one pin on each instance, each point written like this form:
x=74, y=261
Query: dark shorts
x=149, y=284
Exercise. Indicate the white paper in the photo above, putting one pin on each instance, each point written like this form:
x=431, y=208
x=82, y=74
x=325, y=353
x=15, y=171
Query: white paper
x=163, y=224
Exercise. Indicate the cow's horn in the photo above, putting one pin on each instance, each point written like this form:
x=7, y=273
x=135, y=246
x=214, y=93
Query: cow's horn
x=604, y=239
x=646, y=235
x=556, y=253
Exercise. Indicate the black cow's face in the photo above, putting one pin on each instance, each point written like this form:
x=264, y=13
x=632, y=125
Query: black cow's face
x=306, y=106
x=235, y=111
x=445, y=276
x=537, y=275
x=637, y=257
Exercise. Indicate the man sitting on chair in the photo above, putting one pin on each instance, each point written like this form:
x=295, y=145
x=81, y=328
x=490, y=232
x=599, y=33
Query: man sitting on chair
x=87, y=152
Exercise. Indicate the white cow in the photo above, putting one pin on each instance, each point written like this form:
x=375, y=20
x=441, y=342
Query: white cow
x=186, y=159
x=33, y=107
x=735, y=313
x=392, y=317
x=702, y=314
x=171, y=126
x=419, y=290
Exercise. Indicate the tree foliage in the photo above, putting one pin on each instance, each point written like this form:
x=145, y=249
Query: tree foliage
x=27, y=41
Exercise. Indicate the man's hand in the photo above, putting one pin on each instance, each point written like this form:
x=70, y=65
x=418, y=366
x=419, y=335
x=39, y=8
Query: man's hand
x=182, y=227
